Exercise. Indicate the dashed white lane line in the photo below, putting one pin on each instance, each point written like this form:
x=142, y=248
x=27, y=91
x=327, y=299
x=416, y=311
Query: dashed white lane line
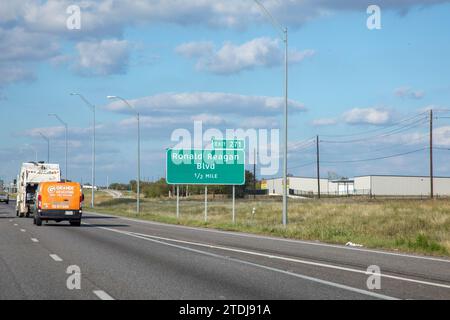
x=102, y=295
x=34, y=240
x=56, y=258
x=15, y=224
x=23, y=230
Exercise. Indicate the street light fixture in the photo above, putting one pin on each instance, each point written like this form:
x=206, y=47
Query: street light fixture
x=138, y=206
x=48, y=145
x=92, y=107
x=283, y=33
x=66, y=137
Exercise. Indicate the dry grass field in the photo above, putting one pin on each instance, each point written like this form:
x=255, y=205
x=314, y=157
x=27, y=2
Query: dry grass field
x=420, y=226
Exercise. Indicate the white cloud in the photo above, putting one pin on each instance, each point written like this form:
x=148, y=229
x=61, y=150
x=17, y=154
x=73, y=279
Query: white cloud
x=13, y=72
x=207, y=102
x=103, y=58
x=195, y=49
x=18, y=48
x=43, y=23
x=371, y=116
x=407, y=92
x=59, y=132
x=165, y=112
x=324, y=122
x=231, y=58
x=436, y=108
x=108, y=17
x=441, y=136
x=18, y=44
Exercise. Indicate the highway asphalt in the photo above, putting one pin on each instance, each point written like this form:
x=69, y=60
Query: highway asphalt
x=123, y=258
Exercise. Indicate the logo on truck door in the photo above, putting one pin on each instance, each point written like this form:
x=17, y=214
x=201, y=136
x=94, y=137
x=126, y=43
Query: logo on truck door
x=53, y=189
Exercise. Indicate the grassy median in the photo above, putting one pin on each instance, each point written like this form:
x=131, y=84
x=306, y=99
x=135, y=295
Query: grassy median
x=420, y=226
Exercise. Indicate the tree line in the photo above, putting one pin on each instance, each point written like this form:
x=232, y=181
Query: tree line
x=160, y=188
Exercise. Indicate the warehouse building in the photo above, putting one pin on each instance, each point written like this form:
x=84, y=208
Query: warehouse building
x=372, y=185
x=303, y=186
x=418, y=186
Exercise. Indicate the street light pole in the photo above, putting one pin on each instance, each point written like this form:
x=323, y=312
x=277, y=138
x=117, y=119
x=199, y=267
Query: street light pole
x=283, y=32
x=66, y=138
x=138, y=182
x=93, y=109
x=35, y=151
x=48, y=145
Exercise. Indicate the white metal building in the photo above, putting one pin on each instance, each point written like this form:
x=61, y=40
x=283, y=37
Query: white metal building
x=378, y=185
x=375, y=185
x=308, y=186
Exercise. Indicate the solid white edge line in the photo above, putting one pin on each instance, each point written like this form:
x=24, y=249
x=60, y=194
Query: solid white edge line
x=247, y=235
x=317, y=264
x=55, y=257
x=323, y=282
x=102, y=295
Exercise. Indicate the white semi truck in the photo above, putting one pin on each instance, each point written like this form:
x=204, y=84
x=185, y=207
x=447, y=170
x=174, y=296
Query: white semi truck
x=31, y=174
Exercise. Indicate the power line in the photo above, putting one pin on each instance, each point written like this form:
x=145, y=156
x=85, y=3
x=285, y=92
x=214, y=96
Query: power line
x=378, y=158
x=404, y=128
x=303, y=165
x=414, y=140
x=378, y=129
x=303, y=148
x=302, y=142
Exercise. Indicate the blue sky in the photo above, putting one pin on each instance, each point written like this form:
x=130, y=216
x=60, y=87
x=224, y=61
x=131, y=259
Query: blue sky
x=227, y=62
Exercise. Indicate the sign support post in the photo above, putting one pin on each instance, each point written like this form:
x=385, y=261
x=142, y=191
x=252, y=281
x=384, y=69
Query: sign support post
x=178, y=201
x=206, y=203
x=234, y=204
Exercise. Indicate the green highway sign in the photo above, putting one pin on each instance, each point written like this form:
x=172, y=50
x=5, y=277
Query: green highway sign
x=228, y=144
x=207, y=167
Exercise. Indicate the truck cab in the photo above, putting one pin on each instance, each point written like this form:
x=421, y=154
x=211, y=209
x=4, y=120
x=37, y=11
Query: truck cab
x=30, y=176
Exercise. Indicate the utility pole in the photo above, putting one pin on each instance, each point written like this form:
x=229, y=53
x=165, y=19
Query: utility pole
x=283, y=32
x=318, y=166
x=431, y=156
x=254, y=174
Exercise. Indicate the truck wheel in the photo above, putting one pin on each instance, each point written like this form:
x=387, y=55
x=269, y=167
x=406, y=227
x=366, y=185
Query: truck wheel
x=38, y=221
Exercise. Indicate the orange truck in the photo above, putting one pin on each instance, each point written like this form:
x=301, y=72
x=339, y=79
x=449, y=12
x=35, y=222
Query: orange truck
x=59, y=201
